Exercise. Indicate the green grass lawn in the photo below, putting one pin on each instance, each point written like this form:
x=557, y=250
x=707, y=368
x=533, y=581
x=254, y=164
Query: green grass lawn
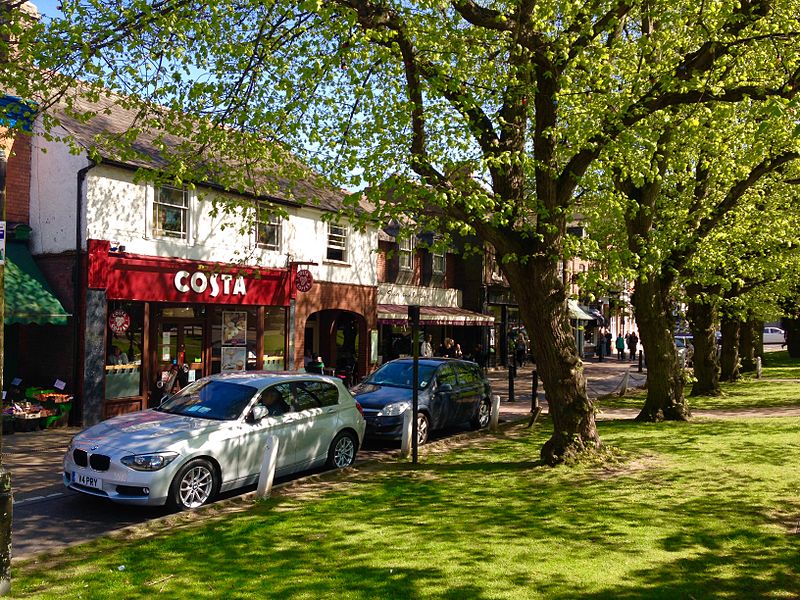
x=707, y=509
x=768, y=392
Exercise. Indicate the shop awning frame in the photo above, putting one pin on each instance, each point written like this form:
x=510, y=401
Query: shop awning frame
x=577, y=313
x=397, y=314
x=29, y=299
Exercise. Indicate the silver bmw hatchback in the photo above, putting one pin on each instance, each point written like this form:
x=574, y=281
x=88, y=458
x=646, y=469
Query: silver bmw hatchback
x=210, y=437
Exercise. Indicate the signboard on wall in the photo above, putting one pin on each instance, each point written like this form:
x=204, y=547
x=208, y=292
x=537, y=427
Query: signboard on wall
x=158, y=279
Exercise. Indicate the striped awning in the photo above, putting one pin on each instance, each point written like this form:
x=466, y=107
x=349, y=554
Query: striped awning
x=397, y=314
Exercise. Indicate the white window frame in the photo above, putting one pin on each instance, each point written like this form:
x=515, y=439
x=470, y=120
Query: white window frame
x=405, y=253
x=438, y=257
x=186, y=234
x=264, y=221
x=337, y=241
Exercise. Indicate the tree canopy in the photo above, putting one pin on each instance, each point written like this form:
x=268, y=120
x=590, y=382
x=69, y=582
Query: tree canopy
x=496, y=113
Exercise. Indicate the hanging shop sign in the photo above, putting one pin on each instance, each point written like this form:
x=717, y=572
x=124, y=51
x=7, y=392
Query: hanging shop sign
x=119, y=321
x=304, y=280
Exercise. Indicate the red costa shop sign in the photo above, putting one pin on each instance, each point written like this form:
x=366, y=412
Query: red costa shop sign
x=119, y=321
x=304, y=280
x=137, y=277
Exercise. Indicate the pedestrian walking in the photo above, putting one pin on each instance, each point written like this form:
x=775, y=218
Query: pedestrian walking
x=620, y=345
x=600, y=346
x=609, y=338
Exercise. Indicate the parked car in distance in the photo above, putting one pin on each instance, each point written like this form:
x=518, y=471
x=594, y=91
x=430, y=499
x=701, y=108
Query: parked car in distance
x=773, y=335
x=451, y=392
x=210, y=437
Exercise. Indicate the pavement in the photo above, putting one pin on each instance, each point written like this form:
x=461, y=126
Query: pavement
x=34, y=458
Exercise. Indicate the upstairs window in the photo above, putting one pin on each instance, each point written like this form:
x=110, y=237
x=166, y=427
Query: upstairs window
x=171, y=213
x=406, y=254
x=337, y=243
x=438, y=262
x=268, y=231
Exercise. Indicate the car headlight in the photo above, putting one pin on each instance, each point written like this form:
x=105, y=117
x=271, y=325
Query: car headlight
x=149, y=462
x=394, y=409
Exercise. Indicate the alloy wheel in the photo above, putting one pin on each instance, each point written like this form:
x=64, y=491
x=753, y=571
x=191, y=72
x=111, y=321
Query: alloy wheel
x=196, y=486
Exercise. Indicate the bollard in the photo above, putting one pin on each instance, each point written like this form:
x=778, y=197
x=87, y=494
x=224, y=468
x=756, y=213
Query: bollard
x=758, y=367
x=405, y=440
x=267, y=473
x=511, y=376
x=624, y=385
x=495, y=413
x=641, y=360
x=534, y=391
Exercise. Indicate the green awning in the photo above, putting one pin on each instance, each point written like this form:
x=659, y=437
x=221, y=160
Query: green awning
x=577, y=313
x=29, y=298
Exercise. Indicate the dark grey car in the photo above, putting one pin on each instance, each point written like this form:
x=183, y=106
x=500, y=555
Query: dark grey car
x=451, y=392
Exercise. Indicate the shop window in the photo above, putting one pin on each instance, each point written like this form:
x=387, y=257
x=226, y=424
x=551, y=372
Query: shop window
x=124, y=332
x=268, y=231
x=406, y=254
x=233, y=339
x=337, y=243
x=274, y=339
x=171, y=213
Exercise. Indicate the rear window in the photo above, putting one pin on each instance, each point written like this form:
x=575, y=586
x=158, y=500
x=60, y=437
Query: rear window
x=467, y=375
x=314, y=394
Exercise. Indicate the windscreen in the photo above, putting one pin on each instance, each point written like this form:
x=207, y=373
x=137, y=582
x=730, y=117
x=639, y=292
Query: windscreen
x=399, y=374
x=216, y=400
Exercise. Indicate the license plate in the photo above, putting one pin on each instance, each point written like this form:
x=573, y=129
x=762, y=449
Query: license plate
x=86, y=480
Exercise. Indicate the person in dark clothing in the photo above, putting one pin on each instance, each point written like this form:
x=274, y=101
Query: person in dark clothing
x=609, y=338
x=633, y=342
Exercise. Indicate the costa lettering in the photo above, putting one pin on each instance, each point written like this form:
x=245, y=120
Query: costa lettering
x=199, y=282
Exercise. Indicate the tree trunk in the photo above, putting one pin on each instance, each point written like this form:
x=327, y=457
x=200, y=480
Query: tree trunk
x=543, y=307
x=747, y=348
x=702, y=320
x=665, y=380
x=792, y=329
x=729, y=358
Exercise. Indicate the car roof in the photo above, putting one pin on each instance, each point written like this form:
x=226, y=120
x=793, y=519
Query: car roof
x=434, y=360
x=260, y=379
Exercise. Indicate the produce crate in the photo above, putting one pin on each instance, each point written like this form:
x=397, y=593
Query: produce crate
x=30, y=422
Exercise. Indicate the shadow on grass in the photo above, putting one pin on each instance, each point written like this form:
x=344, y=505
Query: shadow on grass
x=487, y=521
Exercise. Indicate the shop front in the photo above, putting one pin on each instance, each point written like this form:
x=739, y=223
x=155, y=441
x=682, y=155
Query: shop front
x=155, y=324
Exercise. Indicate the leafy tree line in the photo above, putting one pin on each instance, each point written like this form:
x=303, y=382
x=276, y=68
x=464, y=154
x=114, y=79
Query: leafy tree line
x=499, y=120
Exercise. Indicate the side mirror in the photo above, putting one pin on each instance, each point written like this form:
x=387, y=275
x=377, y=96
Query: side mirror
x=258, y=412
x=444, y=388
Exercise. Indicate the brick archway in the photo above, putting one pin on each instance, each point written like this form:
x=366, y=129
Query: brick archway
x=331, y=302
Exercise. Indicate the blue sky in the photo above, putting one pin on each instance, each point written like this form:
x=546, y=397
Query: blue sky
x=48, y=7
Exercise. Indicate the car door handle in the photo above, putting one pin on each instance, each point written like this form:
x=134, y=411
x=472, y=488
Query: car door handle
x=330, y=410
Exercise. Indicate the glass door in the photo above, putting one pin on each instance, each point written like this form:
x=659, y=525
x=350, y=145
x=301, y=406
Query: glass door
x=180, y=348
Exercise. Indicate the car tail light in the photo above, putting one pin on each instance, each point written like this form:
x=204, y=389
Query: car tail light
x=360, y=408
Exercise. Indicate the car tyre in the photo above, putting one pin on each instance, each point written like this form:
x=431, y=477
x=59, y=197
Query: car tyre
x=422, y=428
x=195, y=485
x=342, y=452
x=482, y=415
